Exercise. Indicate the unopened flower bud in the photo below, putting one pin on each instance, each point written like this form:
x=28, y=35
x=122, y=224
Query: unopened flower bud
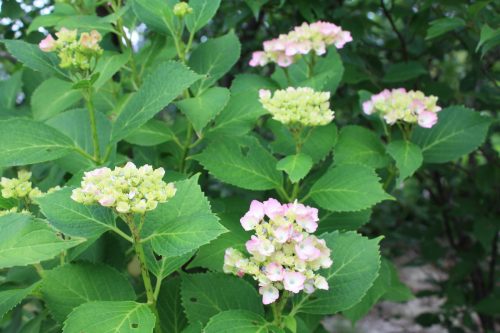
x=182, y=9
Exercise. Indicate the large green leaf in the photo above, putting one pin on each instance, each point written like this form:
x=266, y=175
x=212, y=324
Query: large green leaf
x=52, y=97
x=240, y=321
x=244, y=107
x=71, y=285
x=108, y=65
x=202, y=297
x=73, y=218
x=165, y=83
x=359, y=145
x=182, y=224
x=202, y=109
x=459, y=131
x=407, y=155
x=296, y=166
x=348, y=187
x=356, y=262
x=31, y=56
x=162, y=266
x=25, y=240
x=12, y=297
x=111, y=317
x=157, y=14
x=212, y=64
x=24, y=141
x=203, y=11
x=443, y=25
x=152, y=133
x=170, y=311
x=242, y=162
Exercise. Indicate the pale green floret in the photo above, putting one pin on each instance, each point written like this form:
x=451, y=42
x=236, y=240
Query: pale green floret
x=298, y=106
x=182, y=9
x=19, y=187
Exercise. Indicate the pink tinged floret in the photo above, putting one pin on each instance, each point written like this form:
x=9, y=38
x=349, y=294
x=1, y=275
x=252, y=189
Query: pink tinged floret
x=273, y=209
x=321, y=283
x=258, y=59
x=264, y=94
x=294, y=281
x=269, y=294
x=368, y=107
x=427, y=119
x=274, y=272
x=107, y=201
x=306, y=250
x=283, y=234
x=253, y=244
x=252, y=218
x=284, y=60
x=307, y=218
x=48, y=44
x=309, y=287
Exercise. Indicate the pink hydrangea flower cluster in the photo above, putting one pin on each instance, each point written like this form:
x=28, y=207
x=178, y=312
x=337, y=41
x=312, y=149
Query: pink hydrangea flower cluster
x=401, y=105
x=287, y=48
x=284, y=254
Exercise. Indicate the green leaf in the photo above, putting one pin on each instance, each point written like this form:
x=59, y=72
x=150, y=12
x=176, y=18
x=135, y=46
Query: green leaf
x=407, y=155
x=356, y=262
x=182, y=224
x=296, y=166
x=443, y=25
x=202, y=109
x=212, y=64
x=25, y=240
x=239, y=321
x=85, y=23
x=290, y=323
x=111, y=317
x=344, y=220
x=404, y=71
x=459, y=131
x=163, y=266
x=348, y=187
x=24, y=141
x=165, y=83
x=157, y=14
x=73, y=218
x=76, y=125
x=71, y=285
x=170, y=311
x=244, y=107
x=397, y=291
x=360, y=145
x=12, y=297
x=255, y=6
x=242, y=162
x=31, y=56
x=202, y=297
x=9, y=89
x=489, y=38
x=152, y=133
x=380, y=286
x=108, y=65
x=52, y=97
x=203, y=11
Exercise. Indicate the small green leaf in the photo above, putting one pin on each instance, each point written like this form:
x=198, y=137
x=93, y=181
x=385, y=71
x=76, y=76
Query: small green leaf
x=170, y=311
x=405, y=71
x=157, y=14
x=162, y=266
x=348, y=187
x=71, y=285
x=202, y=299
x=25, y=240
x=459, y=131
x=11, y=297
x=182, y=224
x=239, y=321
x=359, y=145
x=489, y=38
x=152, y=133
x=9, y=89
x=397, y=291
x=356, y=262
x=296, y=166
x=108, y=65
x=344, y=220
x=203, y=11
x=291, y=323
x=242, y=162
x=443, y=25
x=52, y=97
x=111, y=317
x=160, y=88
x=73, y=218
x=407, y=155
x=202, y=109
x=212, y=64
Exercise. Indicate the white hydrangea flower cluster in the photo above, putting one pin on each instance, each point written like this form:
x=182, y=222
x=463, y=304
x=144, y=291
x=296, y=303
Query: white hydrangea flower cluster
x=284, y=255
x=401, y=105
x=126, y=189
x=19, y=187
x=287, y=48
x=298, y=106
x=74, y=53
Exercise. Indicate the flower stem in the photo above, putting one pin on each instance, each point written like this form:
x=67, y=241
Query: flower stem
x=93, y=125
x=278, y=310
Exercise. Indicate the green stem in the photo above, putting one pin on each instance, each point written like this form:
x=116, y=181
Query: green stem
x=93, y=125
x=390, y=178
x=295, y=191
x=185, y=149
x=39, y=269
x=287, y=75
x=278, y=310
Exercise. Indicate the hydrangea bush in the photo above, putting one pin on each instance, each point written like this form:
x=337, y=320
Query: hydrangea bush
x=162, y=171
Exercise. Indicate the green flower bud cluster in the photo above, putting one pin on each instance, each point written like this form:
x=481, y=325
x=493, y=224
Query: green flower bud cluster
x=126, y=189
x=298, y=106
x=20, y=187
x=182, y=9
x=74, y=53
x=14, y=210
